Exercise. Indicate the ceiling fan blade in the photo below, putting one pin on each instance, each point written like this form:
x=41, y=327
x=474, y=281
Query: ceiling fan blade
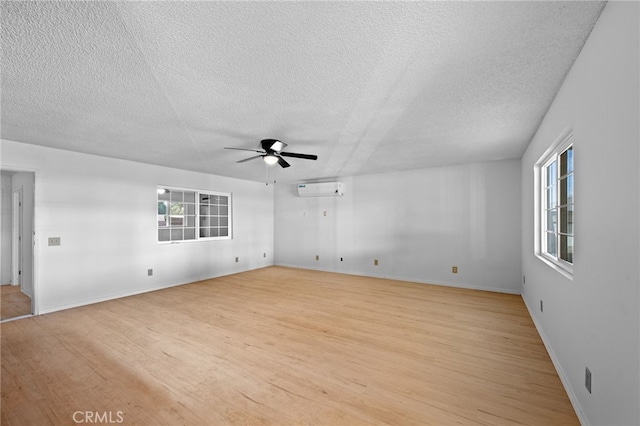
x=283, y=163
x=296, y=155
x=250, y=158
x=272, y=145
x=246, y=149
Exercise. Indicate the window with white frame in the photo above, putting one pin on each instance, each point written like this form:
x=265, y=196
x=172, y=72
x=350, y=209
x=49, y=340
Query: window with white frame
x=187, y=215
x=557, y=205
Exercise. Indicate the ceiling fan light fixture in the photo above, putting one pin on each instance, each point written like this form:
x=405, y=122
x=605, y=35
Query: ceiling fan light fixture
x=270, y=159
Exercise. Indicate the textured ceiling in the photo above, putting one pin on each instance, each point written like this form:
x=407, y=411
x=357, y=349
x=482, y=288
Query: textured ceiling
x=367, y=86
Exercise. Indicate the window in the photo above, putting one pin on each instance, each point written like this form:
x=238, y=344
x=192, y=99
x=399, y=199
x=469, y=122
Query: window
x=214, y=215
x=185, y=215
x=556, y=174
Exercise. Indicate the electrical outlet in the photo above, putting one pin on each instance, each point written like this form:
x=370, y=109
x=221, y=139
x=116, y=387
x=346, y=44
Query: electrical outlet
x=54, y=241
x=237, y=259
x=264, y=254
x=341, y=259
x=454, y=269
x=375, y=262
x=541, y=306
x=524, y=279
x=587, y=379
x=149, y=272
x=317, y=257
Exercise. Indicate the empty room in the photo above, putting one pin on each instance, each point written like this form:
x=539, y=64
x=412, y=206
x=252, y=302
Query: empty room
x=323, y=213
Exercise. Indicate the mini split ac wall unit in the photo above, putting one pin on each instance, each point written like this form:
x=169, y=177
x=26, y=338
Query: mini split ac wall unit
x=323, y=189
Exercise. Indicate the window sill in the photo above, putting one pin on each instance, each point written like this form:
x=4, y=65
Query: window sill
x=557, y=267
x=194, y=241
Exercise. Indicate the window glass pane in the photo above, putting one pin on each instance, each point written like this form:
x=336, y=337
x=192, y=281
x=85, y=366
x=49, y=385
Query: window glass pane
x=204, y=232
x=224, y=200
x=214, y=210
x=163, y=210
x=552, y=218
x=191, y=221
x=223, y=221
x=213, y=221
x=552, y=196
x=566, y=190
x=224, y=210
x=224, y=232
x=552, y=244
x=190, y=209
x=213, y=232
x=164, y=196
x=163, y=234
x=189, y=197
x=566, y=162
x=566, y=248
x=552, y=174
x=570, y=219
x=563, y=219
x=177, y=195
x=204, y=221
x=566, y=220
x=176, y=211
x=176, y=234
x=190, y=233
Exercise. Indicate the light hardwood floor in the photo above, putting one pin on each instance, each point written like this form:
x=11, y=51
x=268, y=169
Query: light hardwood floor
x=13, y=302
x=285, y=346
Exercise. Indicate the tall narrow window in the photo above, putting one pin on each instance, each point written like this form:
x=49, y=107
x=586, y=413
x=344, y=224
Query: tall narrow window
x=185, y=215
x=557, y=205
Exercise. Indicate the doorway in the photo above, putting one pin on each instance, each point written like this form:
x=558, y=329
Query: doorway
x=16, y=250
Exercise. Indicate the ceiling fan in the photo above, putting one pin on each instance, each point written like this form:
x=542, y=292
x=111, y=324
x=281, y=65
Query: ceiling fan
x=272, y=153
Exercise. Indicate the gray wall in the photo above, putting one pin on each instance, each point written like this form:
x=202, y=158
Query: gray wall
x=418, y=224
x=105, y=212
x=593, y=320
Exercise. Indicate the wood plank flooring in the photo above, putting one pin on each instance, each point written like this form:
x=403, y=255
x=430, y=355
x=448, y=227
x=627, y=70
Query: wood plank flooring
x=281, y=346
x=13, y=302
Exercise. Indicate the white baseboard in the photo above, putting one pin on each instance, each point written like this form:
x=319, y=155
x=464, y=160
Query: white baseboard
x=409, y=279
x=132, y=293
x=556, y=363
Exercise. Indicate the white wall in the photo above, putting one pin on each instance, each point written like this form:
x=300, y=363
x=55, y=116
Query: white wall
x=104, y=211
x=5, y=230
x=593, y=320
x=418, y=224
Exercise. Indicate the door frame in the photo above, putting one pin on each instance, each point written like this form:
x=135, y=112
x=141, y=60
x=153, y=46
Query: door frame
x=31, y=239
x=16, y=237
